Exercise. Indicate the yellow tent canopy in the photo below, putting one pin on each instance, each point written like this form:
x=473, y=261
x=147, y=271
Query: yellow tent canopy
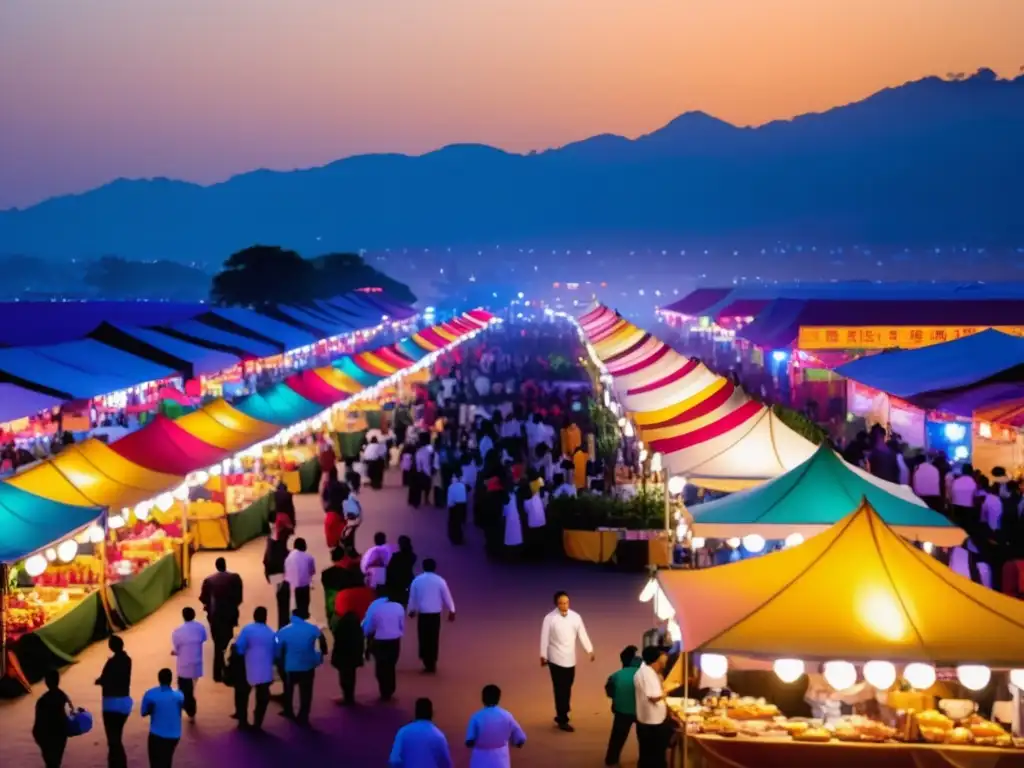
x=219, y=424
x=92, y=474
x=338, y=380
x=623, y=337
x=856, y=592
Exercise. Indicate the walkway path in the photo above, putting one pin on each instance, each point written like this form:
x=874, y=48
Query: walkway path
x=495, y=639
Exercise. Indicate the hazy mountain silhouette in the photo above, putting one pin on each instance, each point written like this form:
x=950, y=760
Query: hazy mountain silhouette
x=930, y=161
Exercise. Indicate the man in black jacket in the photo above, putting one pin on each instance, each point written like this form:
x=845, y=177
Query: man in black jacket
x=221, y=595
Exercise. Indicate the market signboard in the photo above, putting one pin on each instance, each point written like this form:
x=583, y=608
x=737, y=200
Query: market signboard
x=886, y=337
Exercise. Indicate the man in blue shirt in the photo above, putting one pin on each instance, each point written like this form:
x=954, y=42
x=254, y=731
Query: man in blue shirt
x=163, y=706
x=301, y=646
x=420, y=744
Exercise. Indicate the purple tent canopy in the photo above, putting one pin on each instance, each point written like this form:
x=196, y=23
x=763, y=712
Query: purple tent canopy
x=52, y=322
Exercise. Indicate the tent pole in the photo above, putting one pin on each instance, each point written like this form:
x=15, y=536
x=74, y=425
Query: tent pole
x=4, y=576
x=185, y=545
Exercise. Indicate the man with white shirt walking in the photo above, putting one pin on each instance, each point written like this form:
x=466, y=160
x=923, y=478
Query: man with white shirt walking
x=458, y=498
x=653, y=731
x=384, y=627
x=299, y=570
x=428, y=597
x=558, y=635
x=187, y=645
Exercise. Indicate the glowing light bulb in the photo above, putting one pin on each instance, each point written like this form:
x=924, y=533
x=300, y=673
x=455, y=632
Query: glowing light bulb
x=714, y=664
x=95, y=533
x=880, y=674
x=676, y=484
x=973, y=676
x=51, y=554
x=733, y=542
x=920, y=676
x=142, y=510
x=35, y=565
x=164, y=502
x=753, y=543
x=927, y=547
x=67, y=550
x=840, y=674
x=788, y=670
x=114, y=522
x=794, y=540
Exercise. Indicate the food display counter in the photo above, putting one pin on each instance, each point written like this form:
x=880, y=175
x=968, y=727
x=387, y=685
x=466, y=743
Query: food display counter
x=736, y=733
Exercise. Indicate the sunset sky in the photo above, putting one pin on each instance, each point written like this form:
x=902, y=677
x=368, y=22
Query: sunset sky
x=91, y=90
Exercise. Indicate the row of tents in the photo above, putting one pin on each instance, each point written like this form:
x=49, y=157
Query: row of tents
x=61, y=495
x=119, y=345
x=710, y=432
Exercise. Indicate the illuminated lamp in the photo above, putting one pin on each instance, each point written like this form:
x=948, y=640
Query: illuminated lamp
x=114, y=522
x=788, y=670
x=880, y=674
x=954, y=432
x=927, y=547
x=974, y=677
x=1017, y=678
x=35, y=565
x=51, y=554
x=181, y=492
x=920, y=676
x=733, y=542
x=164, y=502
x=95, y=534
x=961, y=452
x=676, y=484
x=142, y=510
x=67, y=550
x=794, y=540
x=753, y=543
x=714, y=664
x=840, y=674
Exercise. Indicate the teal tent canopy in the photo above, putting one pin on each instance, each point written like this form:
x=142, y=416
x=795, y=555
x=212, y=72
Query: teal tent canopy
x=29, y=522
x=410, y=349
x=353, y=371
x=280, y=405
x=816, y=495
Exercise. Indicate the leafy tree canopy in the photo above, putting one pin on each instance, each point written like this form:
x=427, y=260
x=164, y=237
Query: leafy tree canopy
x=269, y=274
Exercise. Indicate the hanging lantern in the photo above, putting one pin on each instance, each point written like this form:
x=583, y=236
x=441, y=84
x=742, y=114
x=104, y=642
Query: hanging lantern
x=753, y=543
x=95, y=534
x=676, y=484
x=974, y=677
x=794, y=540
x=733, y=543
x=67, y=550
x=35, y=565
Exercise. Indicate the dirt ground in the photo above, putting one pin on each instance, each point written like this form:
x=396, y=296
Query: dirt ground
x=495, y=639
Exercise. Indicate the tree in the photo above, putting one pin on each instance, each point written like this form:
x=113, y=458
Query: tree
x=265, y=274
x=112, y=277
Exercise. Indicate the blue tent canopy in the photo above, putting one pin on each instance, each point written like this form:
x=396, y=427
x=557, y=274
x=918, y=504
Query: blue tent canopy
x=965, y=362
x=287, y=335
x=201, y=332
x=26, y=367
x=279, y=405
x=94, y=357
x=29, y=522
x=203, y=359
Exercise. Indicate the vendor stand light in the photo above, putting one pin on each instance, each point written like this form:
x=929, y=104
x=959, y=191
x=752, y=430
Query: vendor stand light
x=794, y=540
x=974, y=677
x=67, y=550
x=1017, y=678
x=714, y=664
x=733, y=543
x=35, y=565
x=788, y=670
x=51, y=554
x=753, y=543
x=880, y=674
x=840, y=674
x=920, y=676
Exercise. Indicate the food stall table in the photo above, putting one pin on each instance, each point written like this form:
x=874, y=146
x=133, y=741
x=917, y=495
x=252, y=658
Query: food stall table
x=309, y=476
x=711, y=751
x=137, y=596
x=250, y=523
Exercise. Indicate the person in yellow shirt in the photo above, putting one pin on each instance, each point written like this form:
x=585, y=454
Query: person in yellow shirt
x=579, y=461
x=571, y=436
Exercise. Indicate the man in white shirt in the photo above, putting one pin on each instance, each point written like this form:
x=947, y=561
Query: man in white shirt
x=926, y=485
x=299, y=570
x=428, y=597
x=558, y=636
x=384, y=627
x=423, y=469
x=961, y=496
x=991, y=506
x=491, y=731
x=376, y=462
x=374, y=563
x=652, y=728
x=187, y=645
x=562, y=488
x=420, y=744
x=458, y=498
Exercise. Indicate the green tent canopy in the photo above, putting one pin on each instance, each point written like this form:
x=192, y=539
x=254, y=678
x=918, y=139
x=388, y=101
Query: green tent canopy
x=816, y=495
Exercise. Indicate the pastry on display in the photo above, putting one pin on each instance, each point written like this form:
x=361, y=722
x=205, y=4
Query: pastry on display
x=815, y=735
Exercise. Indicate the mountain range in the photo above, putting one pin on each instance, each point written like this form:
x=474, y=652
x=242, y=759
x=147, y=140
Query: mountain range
x=930, y=161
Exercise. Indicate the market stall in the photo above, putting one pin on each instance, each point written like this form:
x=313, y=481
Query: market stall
x=854, y=615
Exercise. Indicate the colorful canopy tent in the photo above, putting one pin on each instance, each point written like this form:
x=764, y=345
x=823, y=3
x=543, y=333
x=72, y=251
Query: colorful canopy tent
x=709, y=406
x=745, y=448
x=278, y=404
x=815, y=496
x=338, y=380
x=224, y=426
x=163, y=446
x=410, y=349
x=480, y=315
x=430, y=339
x=190, y=359
x=288, y=336
x=609, y=330
x=348, y=366
x=857, y=592
x=32, y=323
x=315, y=388
x=647, y=356
x=93, y=357
x=92, y=474
x=391, y=357
x=958, y=376
x=27, y=368
x=372, y=364
x=29, y=522
x=667, y=397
